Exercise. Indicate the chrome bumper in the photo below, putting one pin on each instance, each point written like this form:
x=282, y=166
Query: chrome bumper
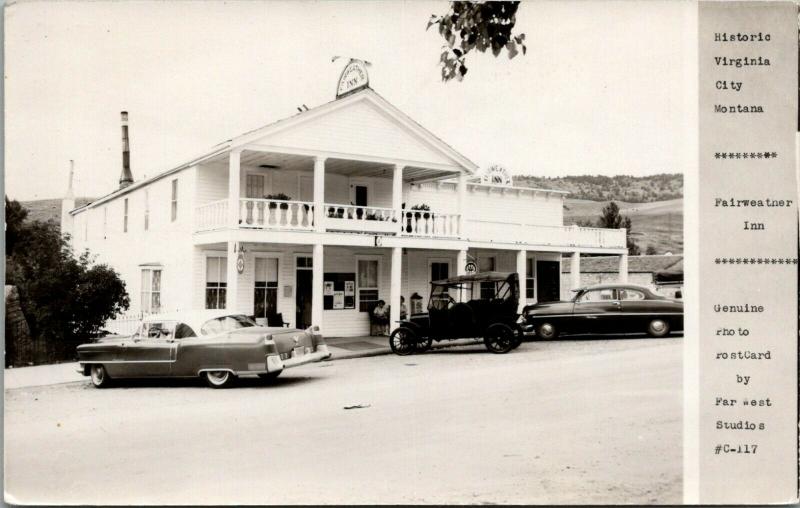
x=275, y=363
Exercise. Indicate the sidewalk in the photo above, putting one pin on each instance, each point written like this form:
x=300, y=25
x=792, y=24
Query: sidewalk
x=342, y=348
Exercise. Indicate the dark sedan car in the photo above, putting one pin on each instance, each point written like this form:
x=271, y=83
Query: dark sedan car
x=607, y=308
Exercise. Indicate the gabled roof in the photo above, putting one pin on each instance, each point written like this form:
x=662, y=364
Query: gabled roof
x=366, y=94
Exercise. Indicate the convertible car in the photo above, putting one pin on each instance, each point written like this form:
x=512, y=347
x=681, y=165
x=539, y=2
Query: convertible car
x=217, y=345
x=608, y=308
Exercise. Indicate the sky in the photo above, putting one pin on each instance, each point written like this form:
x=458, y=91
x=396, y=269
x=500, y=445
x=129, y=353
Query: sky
x=600, y=91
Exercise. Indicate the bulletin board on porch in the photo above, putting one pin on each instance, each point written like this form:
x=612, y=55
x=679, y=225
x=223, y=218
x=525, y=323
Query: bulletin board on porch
x=339, y=291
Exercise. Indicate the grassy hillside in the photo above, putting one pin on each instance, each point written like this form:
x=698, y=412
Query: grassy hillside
x=48, y=209
x=659, y=224
x=631, y=189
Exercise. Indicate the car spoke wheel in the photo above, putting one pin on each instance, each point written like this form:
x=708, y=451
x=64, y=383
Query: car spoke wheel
x=423, y=345
x=403, y=341
x=99, y=376
x=270, y=375
x=658, y=328
x=500, y=339
x=547, y=331
x=219, y=378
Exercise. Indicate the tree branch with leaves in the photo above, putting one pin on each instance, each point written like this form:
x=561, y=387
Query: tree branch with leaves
x=476, y=26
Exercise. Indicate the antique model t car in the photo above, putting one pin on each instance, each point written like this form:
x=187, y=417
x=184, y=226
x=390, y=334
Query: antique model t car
x=216, y=345
x=482, y=305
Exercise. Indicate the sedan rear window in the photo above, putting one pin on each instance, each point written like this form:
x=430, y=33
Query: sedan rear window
x=226, y=324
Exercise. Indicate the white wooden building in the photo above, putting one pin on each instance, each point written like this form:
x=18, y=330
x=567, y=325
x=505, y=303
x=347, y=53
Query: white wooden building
x=311, y=217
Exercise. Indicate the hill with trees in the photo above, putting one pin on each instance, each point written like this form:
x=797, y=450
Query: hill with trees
x=630, y=189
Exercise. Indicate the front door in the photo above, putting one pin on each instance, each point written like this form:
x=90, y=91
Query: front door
x=361, y=195
x=303, y=298
x=548, y=281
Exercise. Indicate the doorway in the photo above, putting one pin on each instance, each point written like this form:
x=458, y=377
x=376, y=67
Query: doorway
x=303, y=292
x=548, y=281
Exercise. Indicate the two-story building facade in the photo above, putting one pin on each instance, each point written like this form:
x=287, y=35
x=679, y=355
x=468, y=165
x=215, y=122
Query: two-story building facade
x=320, y=215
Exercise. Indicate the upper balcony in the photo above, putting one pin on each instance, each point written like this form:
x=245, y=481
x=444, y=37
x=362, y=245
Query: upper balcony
x=282, y=215
x=287, y=215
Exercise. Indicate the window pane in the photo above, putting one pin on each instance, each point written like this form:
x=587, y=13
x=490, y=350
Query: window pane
x=156, y=280
x=156, y=299
x=439, y=271
x=223, y=269
x=366, y=299
x=259, y=303
x=368, y=274
x=261, y=270
x=146, y=280
x=212, y=269
x=598, y=295
x=272, y=269
x=486, y=264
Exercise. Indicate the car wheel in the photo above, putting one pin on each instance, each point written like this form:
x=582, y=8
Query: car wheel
x=99, y=376
x=403, y=341
x=270, y=375
x=658, y=328
x=423, y=345
x=219, y=378
x=547, y=331
x=500, y=339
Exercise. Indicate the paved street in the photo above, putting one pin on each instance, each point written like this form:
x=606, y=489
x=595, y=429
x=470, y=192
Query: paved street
x=571, y=421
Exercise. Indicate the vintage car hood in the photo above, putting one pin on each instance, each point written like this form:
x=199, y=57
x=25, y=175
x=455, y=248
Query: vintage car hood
x=562, y=307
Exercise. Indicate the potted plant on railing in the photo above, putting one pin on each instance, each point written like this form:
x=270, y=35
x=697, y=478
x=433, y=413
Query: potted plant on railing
x=280, y=196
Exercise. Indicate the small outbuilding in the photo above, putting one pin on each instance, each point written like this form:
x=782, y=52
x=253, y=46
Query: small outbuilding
x=663, y=273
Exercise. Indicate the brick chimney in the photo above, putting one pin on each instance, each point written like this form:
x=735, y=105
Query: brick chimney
x=126, y=178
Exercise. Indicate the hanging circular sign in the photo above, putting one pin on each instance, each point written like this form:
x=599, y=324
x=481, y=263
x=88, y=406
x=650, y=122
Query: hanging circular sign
x=240, y=262
x=354, y=77
x=471, y=268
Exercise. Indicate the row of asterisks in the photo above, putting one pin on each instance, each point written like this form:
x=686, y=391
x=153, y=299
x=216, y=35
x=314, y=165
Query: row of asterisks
x=756, y=261
x=746, y=155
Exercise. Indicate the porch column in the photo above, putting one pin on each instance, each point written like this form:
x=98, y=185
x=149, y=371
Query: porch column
x=575, y=270
x=234, y=191
x=623, y=268
x=397, y=192
x=394, y=287
x=317, y=286
x=232, y=278
x=461, y=262
x=319, y=199
x=462, y=203
x=521, y=267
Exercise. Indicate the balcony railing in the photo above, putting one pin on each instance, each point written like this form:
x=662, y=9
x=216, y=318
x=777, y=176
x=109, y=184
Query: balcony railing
x=430, y=224
x=211, y=216
x=361, y=219
x=276, y=214
x=562, y=236
x=299, y=215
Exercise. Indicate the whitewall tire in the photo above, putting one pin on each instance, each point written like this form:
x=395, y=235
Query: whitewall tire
x=219, y=378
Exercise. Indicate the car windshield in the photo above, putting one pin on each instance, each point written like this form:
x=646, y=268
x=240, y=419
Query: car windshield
x=226, y=324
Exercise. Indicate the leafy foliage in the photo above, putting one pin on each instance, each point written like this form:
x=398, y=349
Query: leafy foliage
x=64, y=298
x=630, y=189
x=612, y=219
x=476, y=26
